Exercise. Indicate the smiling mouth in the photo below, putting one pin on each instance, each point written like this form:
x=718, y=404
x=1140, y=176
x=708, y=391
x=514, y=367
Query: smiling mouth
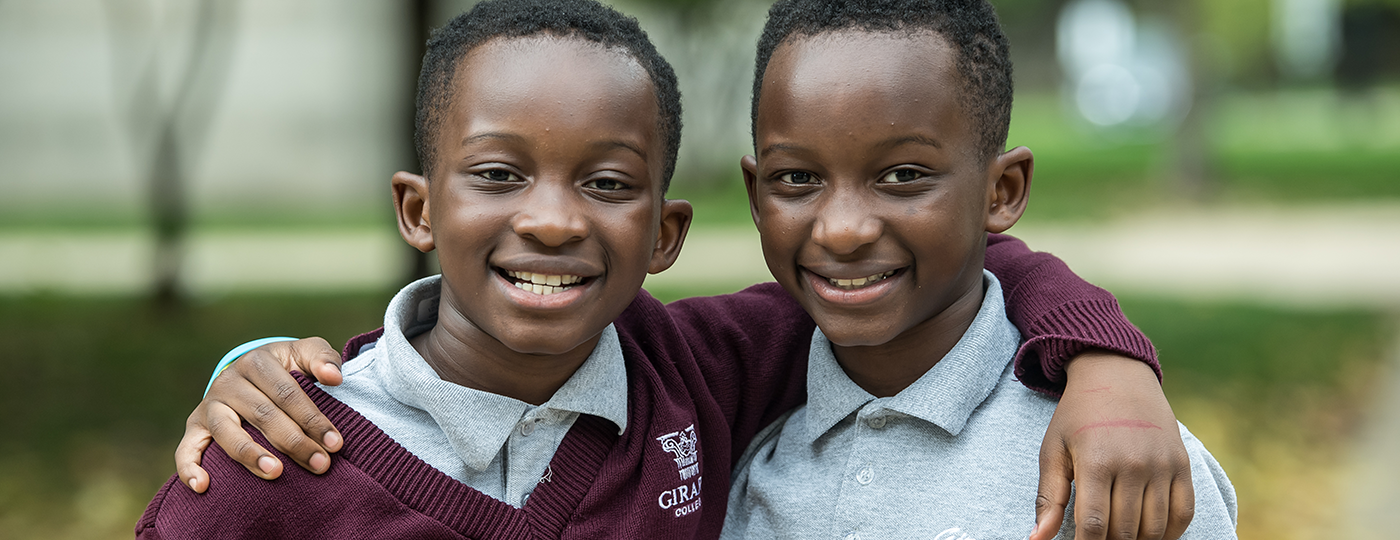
x=853, y=284
x=543, y=284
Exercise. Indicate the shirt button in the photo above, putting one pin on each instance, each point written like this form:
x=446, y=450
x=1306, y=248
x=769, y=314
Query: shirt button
x=852, y=536
x=527, y=428
x=876, y=422
x=866, y=476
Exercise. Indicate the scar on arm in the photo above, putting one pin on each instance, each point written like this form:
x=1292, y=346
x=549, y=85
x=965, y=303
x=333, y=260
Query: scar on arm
x=1099, y=390
x=1121, y=423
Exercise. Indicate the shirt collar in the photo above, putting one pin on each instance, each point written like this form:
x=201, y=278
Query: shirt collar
x=479, y=423
x=945, y=396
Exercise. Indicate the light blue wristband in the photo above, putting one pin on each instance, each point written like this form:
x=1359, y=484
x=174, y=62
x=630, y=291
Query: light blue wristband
x=237, y=352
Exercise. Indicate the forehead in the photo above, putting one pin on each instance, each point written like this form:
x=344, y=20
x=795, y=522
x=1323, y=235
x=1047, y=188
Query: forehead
x=862, y=80
x=546, y=82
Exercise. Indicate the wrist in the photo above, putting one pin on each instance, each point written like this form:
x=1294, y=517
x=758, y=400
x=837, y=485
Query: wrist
x=1097, y=365
x=237, y=352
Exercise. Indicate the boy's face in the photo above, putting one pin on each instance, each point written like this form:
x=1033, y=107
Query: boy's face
x=546, y=208
x=868, y=189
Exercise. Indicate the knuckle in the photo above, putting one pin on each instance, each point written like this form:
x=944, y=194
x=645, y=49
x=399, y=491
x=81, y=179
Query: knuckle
x=264, y=412
x=1154, y=529
x=1093, y=525
x=1184, y=512
x=286, y=391
x=218, y=425
x=247, y=450
x=312, y=420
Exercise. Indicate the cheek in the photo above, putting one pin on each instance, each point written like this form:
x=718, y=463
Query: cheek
x=780, y=223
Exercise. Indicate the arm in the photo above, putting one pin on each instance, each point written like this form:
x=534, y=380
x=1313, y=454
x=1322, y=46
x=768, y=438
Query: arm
x=1113, y=432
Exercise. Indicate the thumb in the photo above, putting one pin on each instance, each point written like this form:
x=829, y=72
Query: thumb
x=316, y=358
x=1056, y=473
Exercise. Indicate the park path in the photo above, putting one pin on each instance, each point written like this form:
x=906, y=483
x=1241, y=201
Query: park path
x=1311, y=256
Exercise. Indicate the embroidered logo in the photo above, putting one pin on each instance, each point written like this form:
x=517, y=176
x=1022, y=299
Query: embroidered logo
x=681, y=444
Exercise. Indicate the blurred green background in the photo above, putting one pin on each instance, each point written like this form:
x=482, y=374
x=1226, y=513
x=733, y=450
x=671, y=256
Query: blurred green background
x=183, y=176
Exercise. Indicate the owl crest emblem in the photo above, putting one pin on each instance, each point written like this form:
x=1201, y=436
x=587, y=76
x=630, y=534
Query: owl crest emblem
x=682, y=446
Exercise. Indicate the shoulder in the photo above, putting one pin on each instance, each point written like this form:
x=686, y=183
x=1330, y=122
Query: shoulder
x=240, y=505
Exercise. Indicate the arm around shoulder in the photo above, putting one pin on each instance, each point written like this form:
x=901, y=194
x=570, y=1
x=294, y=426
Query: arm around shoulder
x=1059, y=314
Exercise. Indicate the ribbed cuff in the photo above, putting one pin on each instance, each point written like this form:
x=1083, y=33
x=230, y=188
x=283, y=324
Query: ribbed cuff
x=1072, y=328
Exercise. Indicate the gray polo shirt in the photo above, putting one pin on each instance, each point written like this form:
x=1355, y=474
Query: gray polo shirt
x=955, y=456
x=498, y=445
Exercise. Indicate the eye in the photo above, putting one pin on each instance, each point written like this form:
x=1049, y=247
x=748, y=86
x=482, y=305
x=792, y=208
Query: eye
x=798, y=178
x=499, y=175
x=900, y=176
x=606, y=184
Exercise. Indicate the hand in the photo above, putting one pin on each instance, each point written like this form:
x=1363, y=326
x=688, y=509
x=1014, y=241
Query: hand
x=259, y=387
x=1114, y=434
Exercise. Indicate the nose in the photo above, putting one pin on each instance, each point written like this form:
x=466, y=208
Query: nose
x=843, y=225
x=551, y=215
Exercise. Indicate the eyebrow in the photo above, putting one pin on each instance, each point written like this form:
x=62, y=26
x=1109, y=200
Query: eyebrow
x=779, y=147
x=617, y=143
x=511, y=137
x=493, y=135
x=910, y=139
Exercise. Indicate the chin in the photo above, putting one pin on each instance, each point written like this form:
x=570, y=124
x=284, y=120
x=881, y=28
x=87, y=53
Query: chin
x=845, y=334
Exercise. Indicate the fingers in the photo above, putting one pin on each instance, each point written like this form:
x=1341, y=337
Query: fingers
x=227, y=430
x=1183, y=504
x=279, y=397
x=1156, y=503
x=272, y=401
x=1125, y=516
x=316, y=358
x=1093, y=491
x=190, y=452
x=1056, y=473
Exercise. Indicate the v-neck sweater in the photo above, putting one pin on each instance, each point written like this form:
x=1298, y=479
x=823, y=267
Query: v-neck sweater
x=704, y=376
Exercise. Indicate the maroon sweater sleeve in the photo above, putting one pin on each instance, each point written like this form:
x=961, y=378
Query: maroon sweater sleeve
x=1059, y=315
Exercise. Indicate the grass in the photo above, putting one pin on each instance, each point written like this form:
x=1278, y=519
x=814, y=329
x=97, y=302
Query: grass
x=96, y=392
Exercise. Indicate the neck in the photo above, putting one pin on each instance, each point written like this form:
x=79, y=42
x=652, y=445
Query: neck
x=463, y=354
x=888, y=368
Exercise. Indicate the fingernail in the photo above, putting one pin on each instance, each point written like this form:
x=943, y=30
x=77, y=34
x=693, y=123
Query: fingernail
x=319, y=462
x=266, y=463
x=332, y=440
x=192, y=483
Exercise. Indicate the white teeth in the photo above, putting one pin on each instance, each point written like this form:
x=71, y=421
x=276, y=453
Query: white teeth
x=859, y=282
x=543, y=283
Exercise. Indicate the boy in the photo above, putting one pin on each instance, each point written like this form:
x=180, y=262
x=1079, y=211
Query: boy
x=875, y=123
x=489, y=231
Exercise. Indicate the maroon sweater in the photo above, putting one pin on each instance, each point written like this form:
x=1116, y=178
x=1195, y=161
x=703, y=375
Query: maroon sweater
x=704, y=376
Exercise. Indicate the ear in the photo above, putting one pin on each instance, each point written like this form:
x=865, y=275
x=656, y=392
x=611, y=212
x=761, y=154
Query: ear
x=749, y=164
x=675, y=223
x=1009, y=188
x=411, y=208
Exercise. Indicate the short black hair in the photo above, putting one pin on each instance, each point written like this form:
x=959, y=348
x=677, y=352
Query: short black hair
x=582, y=19
x=970, y=26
